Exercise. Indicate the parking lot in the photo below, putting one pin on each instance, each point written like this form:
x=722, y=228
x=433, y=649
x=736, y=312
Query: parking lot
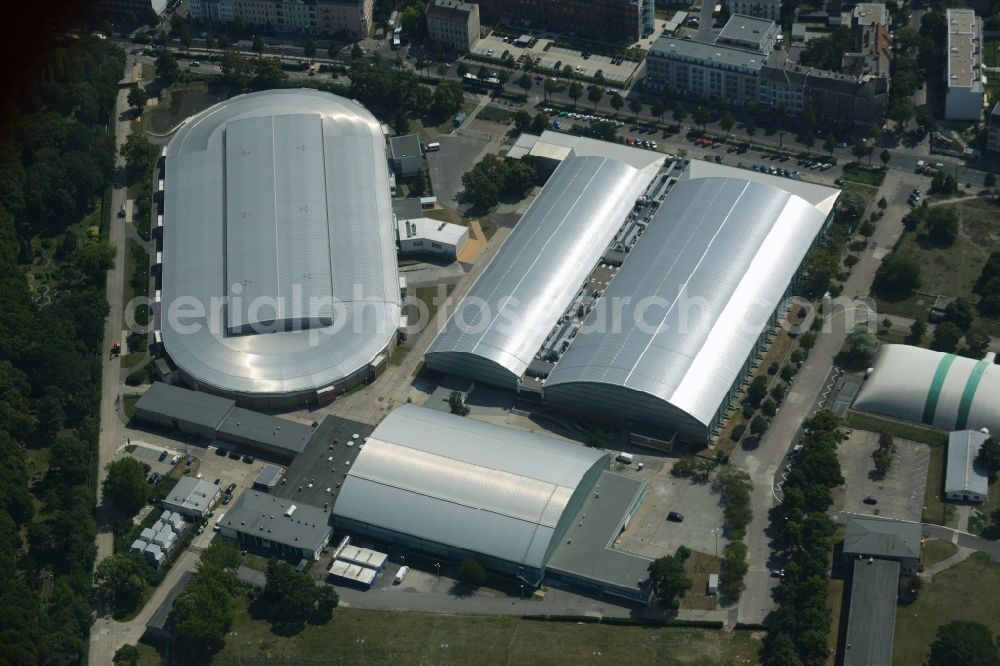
x=494, y=47
x=651, y=535
x=900, y=494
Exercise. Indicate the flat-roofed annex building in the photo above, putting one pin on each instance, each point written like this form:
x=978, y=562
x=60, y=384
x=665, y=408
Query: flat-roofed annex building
x=455, y=487
x=279, y=278
x=270, y=523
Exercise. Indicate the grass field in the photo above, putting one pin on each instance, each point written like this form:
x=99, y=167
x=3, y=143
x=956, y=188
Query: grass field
x=398, y=355
x=179, y=102
x=936, y=551
x=494, y=113
x=394, y=637
x=935, y=509
x=698, y=567
x=991, y=52
x=902, y=429
x=980, y=517
x=966, y=591
x=864, y=174
x=951, y=271
x=834, y=601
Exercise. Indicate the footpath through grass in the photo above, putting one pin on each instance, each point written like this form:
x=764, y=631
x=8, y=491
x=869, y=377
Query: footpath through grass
x=395, y=637
x=966, y=591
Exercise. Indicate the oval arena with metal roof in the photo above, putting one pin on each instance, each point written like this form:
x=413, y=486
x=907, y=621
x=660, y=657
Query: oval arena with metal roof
x=279, y=276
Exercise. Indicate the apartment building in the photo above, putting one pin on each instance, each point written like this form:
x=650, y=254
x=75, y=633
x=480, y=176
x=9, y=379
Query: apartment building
x=765, y=9
x=964, y=74
x=616, y=20
x=872, y=55
x=453, y=23
x=693, y=69
x=353, y=17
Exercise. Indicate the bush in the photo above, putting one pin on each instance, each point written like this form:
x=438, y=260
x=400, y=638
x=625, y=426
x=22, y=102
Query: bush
x=769, y=408
x=773, y=368
x=778, y=392
x=737, y=432
x=471, y=573
x=787, y=372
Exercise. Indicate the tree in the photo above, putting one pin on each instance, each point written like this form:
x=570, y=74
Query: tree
x=946, y=337
x=457, y=404
x=809, y=140
x=357, y=53
x=989, y=455
x=680, y=113
x=136, y=99
x=668, y=579
x=268, y=73
x=829, y=143
x=701, y=117
x=885, y=156
x=221, y=556
x=757, y=390
x=943, y=183
x=525, y=81
x=594, y=94
x=758, y=425
x=549, y=87
x=185, y=38
x=125, y=484
x=959, y=312
x=897, y=276
x=658, y=109
x=989, y=181
x=126, y=655
x=918, y=329
x=471, y=573
x=726, y=122
x=167, y=69
x=942, y=225
x=309, y=48
x=963, y=642
x=119, y=581
x=203, y=613
x=859, y=149
x=210, y=42
x=447, y=101
x=258, y=44
x=635, y=105
x=289, y=596
x=326, y=602
x=176, y=24
x=575, y=91
x=617, y=102
x=567, y=72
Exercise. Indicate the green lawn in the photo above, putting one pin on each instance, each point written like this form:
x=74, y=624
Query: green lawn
x=398, y=355
x=179, y=101
x=966, y=591
x=980, y=517
x=698, y=567
x=936, y=510
x=991, y=52
x=430, y=297
x=394, y=637
x=901, y=429
x=936, y=551
x=864, y=174
x=494, y=113
x=951, y=271
x=130, y=401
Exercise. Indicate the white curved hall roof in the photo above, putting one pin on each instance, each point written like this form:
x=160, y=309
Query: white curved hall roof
x=712, y=266
x=543, y=263
x=277, y=197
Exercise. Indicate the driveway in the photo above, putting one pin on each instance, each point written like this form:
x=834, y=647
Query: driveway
x=899, y=495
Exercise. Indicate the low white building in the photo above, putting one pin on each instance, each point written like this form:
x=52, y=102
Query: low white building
x=965, y=479
x=192, y=497
x=424, y=235
x=964, y=75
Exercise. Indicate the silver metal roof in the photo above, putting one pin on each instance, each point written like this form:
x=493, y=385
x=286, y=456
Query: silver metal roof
x=464, y=483
x=696, y=293
x=933, y=388
x=512, y=307
x=282, y=195
x=963, y=472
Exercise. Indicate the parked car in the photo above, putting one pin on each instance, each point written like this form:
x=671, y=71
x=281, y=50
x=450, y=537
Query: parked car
x=230, y=488
x=248, y=458
x=163, y=455
x=218, y=482
x=234, y=455
x=675, y=517
x=777, y=573
x=219, y=451
x=227, y=499
x=871, y=500
x=190, y=459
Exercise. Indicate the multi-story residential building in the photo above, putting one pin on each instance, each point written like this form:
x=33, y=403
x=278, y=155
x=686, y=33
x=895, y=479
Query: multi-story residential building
x=993, y=128
x=742, y=65
x=693, y=69
x=353, y=17
x=872, y=53
x=607, y=19
x=833, y=98
x=765, y=9
x=453, y=23
x=140, y=8
x=964, y=74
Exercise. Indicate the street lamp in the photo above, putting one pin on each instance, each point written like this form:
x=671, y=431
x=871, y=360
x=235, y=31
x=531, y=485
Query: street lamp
x=360, y=641
x=437, y=565
x=522, y=591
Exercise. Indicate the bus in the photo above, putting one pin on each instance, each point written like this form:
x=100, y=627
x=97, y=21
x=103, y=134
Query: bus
x=489, y=83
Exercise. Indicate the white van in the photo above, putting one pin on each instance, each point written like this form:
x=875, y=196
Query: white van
x=626, y=458
x=431, y=147
x=401, y=574
x=215, y=528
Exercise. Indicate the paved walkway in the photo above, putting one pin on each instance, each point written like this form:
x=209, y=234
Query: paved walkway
x=962, y=555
